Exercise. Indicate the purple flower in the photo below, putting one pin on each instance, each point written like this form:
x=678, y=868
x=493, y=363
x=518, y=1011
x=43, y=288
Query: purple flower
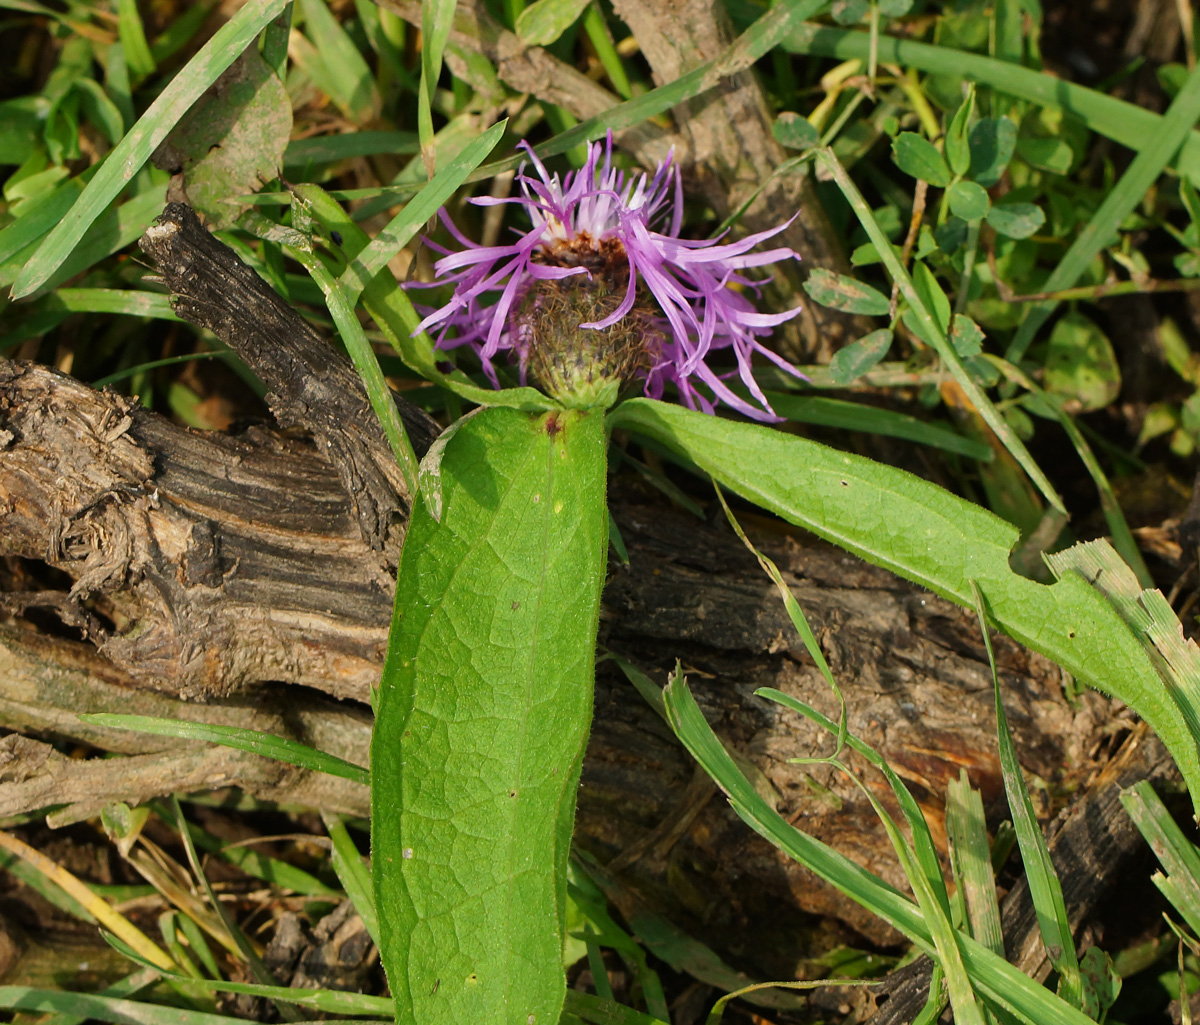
x=600, y=289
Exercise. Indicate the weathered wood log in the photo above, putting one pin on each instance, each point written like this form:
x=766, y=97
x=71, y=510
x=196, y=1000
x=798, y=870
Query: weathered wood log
x=234, y=568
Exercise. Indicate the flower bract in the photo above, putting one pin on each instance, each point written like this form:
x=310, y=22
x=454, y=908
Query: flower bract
x=600, y=289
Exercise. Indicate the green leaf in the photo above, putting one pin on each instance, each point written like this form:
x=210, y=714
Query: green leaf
x=1046, y=154
x=1161, y=146
x=930, y=290
x=484, y=708
x=1016, y=220
x=282, y=749
x=1045, y=890
x=858, y=357
x=795, y=131
x=134, y=150
x=917, y=156
x=925, y=323
x=999, y=982
x=334, y=63
x=1123, y=122
x=895, y=8
x=929, y=536
x=849, y=12
x=1175, y=852
x=20, y=126
x=542, y=22
x=372, y=261
x=857, y=416
x=437, y=18
x=840, y=292
x=966, y=337
x=1080, y=363
x=958, y=150
x=233, y=140
x=1101, y=983
x=132, y=35
x=993, y=141
x=968, y=201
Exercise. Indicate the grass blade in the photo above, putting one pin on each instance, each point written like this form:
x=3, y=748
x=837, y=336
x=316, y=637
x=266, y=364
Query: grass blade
x=117, y=924
x=374, y=258
x=997, y=980
x=1118, y=120
x=353, y=872
x=1174, y=128
x=1177, y=855
x=932, y=332
x=1044, y=888
x=268, y=745
x=152, y=128
x=969, y=855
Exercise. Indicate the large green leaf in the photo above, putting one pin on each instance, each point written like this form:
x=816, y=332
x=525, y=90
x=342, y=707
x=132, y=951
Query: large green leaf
x=930, y=536
x=482, y=717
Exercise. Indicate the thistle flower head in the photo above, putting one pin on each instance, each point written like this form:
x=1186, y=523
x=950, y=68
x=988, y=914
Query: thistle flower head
x=601, y=289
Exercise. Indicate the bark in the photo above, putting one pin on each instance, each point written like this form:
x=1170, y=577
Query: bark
x=236, y=568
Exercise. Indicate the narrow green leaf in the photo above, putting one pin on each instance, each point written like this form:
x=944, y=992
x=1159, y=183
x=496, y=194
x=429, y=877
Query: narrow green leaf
x=932, y=294
x=958, y=149
x=760, y=38
x=132, y=34
x=353, y=873
x=997, y=980
x=917, y=156
x=483, y=713
x=543, y=21
x=857, y=416
x=336, y=66
x=926, y=534
x=393, y=311
x=1177, y=855
x=341, y=308
x=110, y=1009
x=840, y=292
x=966, y=831
x=110, y=300
x=269, y=746
x=1045, y=891
x=374, y=258
x=326, y=149
x=437, y=18
x=134, y=150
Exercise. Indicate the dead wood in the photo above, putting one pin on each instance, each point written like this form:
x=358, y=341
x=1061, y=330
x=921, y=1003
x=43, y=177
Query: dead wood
x=1094, y=846
x=206, y=561
x=311, y=385
x=237, y=567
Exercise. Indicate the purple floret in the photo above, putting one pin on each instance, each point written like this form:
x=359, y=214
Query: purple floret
x=597, y=222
